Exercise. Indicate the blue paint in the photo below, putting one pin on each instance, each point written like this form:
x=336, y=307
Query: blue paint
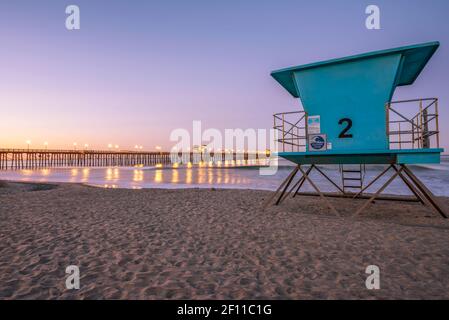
x=354, y=91
x=404, y=156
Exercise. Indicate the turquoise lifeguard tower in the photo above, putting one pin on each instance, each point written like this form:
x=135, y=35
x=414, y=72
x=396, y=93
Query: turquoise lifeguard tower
x=350, y=120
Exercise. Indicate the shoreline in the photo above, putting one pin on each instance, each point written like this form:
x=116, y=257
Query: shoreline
x=384, y=197
x=229, y=178
x=214, y=244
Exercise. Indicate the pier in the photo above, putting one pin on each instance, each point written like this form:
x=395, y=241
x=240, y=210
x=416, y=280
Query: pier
x=15, y=159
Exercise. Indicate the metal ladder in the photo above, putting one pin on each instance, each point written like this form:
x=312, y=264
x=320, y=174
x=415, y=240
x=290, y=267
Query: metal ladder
x=352, y=176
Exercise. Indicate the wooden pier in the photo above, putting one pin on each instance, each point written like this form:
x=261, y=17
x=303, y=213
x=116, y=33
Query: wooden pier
x=15, y=159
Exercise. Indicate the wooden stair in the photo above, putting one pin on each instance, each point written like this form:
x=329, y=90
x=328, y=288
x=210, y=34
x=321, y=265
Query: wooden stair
x=352, y=177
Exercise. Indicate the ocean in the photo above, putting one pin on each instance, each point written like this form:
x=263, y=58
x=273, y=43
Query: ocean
x=435, y=176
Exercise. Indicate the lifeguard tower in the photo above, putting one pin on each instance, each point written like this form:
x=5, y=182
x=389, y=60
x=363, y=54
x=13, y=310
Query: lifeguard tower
x=350, y=120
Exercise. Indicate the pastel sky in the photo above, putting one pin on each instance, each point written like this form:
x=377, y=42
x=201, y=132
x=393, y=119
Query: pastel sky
x=139, y=69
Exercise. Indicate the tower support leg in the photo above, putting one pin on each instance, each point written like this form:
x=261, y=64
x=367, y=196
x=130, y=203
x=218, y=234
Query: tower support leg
x=301, y=181
x=319, y=192
x=284, y=185
x=329, y=179
x=409, y=184
x=434, y=202
x=373, y=181
x=386, y=184
x=289, y=181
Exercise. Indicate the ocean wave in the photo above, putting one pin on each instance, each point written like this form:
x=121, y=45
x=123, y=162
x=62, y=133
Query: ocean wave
x=440, y=167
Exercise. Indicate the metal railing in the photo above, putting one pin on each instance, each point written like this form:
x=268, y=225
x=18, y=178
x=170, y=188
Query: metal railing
x=292, y=130
x=409, y=130
x=406, y=127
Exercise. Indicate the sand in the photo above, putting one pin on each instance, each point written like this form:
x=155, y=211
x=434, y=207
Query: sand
x=213, y=244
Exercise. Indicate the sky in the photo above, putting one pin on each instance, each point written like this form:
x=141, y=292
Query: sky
x=136, y=70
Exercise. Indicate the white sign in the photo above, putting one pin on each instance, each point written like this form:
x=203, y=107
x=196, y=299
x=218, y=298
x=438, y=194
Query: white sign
x=313, y=125
x=317, y=142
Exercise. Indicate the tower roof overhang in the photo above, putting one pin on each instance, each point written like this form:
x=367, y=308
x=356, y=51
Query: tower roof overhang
x=413, y=60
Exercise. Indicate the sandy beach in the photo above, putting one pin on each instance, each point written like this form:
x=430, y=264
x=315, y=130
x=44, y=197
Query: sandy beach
x=213, y=244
